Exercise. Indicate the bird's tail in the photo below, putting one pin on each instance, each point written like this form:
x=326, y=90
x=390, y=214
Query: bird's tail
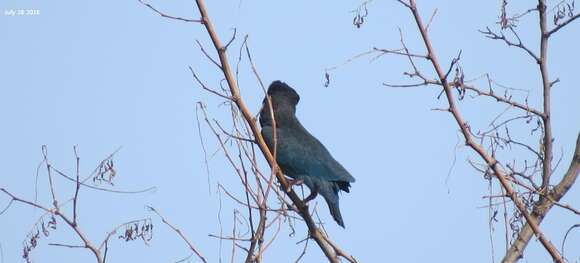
x=332, y=202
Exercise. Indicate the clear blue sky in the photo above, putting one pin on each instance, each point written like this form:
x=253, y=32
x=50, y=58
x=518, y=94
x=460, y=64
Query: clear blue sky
x=105, y=74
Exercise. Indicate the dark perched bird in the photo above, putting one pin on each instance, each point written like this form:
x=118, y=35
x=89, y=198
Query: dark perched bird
x=299, y=154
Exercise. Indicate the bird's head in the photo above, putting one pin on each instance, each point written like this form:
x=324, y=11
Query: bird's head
x=284, y=101
x=282, y=94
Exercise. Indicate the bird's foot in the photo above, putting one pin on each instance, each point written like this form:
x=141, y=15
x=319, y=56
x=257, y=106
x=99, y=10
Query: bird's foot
x=292, y=182
x=309, y=198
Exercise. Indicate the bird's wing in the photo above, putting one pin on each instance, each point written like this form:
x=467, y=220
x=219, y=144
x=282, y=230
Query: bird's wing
x=299, y=153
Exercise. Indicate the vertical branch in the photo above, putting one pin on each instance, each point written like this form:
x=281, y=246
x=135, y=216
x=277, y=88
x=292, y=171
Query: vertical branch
x=491, y=219
x=251, y=218
x=546, y=117
x=275, y=141
x=48, y=168
x=234, y=245
x=505, y=220
x=258, y=238
x=78, y=185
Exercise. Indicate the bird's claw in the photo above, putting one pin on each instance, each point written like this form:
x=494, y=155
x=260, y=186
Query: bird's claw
x=292, y=183
x=309, y=198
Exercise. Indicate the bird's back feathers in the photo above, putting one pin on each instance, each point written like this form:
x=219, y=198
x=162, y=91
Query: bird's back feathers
x=299, y=153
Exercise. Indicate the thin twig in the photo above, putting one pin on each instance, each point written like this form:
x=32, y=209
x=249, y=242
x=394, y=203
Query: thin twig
x=203, y=86
x=169, y=16
x=560, y=26
x=77, y=186
x=189, y=244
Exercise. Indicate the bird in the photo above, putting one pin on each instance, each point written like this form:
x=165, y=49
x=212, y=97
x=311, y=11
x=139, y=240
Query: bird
x=299, y=154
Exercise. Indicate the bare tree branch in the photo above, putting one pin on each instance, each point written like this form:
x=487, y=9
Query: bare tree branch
x=543, y=207
x=492, y=35
x=87, y=243
x=547, y=118
x=169, y=16
x=465, y=129
x=560, y=26
x=499, y=98
x=189, y=244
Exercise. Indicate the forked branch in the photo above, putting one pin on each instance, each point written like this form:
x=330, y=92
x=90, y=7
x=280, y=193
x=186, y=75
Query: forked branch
x=490, y=161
